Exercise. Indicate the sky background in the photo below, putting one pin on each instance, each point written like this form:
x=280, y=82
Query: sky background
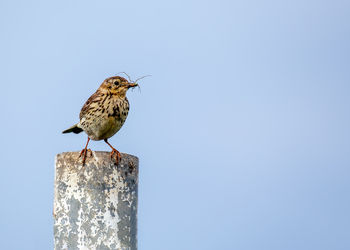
x=242, y=131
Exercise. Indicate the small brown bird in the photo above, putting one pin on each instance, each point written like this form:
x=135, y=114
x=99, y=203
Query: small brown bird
x=104, y=113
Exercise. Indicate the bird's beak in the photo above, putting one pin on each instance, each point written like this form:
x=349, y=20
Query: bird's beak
x=132, y=85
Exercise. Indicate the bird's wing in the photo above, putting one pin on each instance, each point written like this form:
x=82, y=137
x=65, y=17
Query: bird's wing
x=91, y=103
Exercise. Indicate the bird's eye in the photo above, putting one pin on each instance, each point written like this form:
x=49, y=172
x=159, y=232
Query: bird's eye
x=116, y=83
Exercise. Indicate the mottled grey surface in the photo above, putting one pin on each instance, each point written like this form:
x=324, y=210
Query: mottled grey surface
x=95, y=205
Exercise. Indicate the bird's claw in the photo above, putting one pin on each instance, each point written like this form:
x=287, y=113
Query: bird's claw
x=84, y=154
x=117, y=155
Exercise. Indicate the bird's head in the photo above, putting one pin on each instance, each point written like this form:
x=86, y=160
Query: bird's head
x=117, y=85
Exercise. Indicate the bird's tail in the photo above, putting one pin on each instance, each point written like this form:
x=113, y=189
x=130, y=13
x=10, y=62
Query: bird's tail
x=75, y=129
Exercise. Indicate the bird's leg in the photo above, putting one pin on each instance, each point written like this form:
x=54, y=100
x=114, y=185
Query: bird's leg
x=114, y=151
x=84, y=151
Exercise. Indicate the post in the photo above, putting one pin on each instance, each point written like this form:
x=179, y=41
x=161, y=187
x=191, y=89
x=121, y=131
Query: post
x=95, y=206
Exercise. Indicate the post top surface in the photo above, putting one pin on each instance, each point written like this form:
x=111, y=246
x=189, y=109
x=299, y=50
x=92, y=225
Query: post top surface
x=97, y=158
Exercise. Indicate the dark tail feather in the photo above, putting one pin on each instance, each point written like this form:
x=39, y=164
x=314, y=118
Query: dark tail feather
x=75, y=129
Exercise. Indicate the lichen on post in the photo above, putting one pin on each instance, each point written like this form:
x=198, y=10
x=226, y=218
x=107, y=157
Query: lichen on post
x=95, y=205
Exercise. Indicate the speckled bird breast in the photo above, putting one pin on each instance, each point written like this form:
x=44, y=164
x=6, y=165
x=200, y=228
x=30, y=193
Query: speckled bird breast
x=105, y=118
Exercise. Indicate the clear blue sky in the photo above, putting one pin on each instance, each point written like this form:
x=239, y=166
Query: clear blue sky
x=242, y=131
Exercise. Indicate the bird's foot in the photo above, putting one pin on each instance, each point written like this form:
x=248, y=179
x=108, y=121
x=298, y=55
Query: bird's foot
x=84, y=154
x=117, y=154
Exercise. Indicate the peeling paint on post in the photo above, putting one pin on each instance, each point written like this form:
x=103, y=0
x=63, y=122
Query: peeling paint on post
x=95, y=205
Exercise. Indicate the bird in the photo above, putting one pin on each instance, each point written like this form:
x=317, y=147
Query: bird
x=104, y=113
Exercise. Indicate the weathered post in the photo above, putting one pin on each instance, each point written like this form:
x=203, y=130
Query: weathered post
x=95, y=206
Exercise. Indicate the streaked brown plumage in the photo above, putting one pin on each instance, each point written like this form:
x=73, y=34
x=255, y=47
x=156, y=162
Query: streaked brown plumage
x=104, y=113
